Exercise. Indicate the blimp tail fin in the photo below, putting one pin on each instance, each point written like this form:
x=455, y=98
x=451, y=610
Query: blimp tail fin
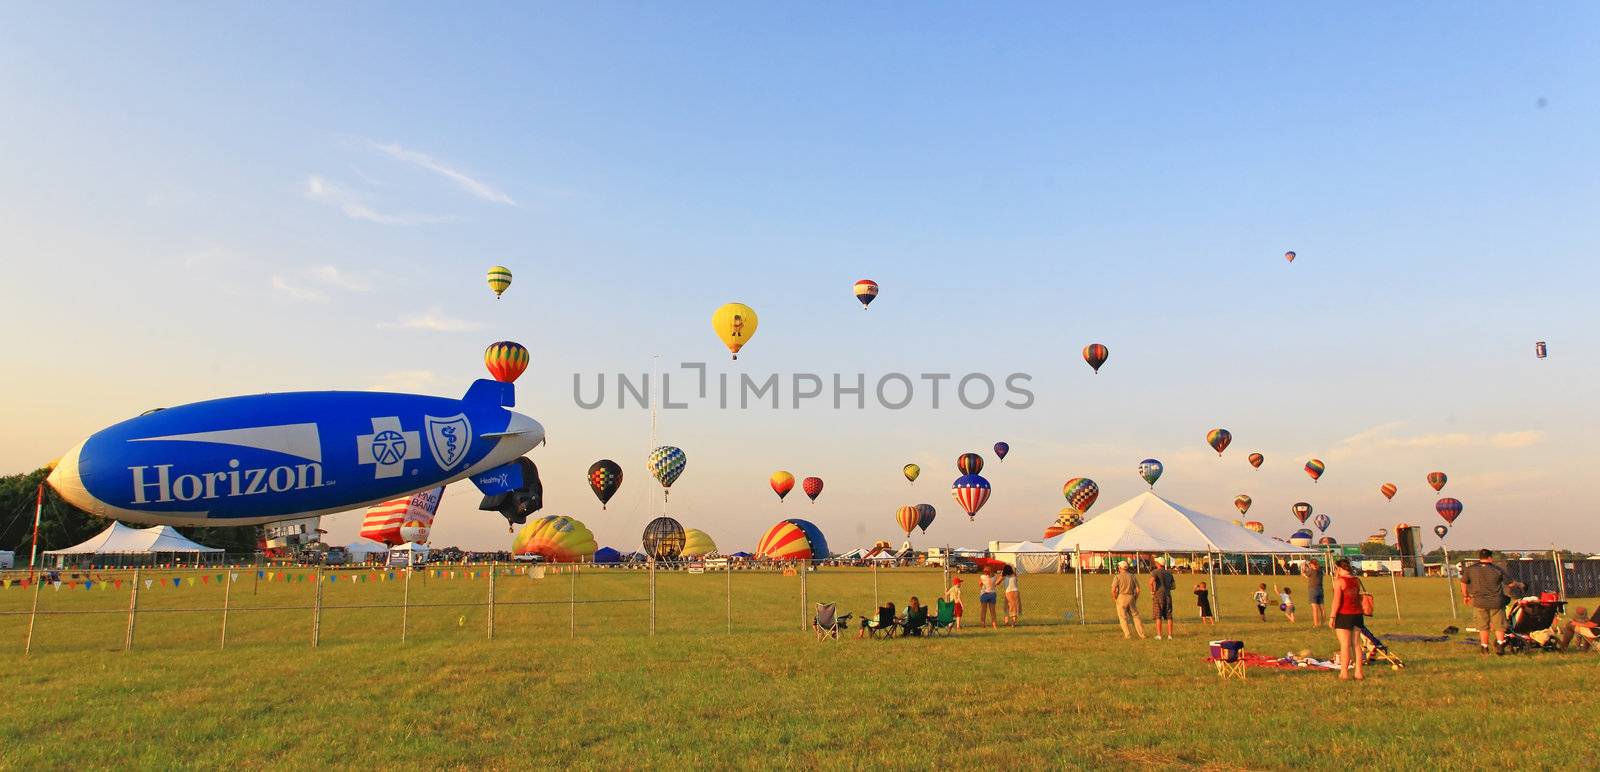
x=497, y=392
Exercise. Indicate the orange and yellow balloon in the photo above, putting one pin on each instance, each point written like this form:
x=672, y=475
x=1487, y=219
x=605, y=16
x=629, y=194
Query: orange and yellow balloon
x=782, y=482
x=506, y=360
x=907, y=518
x=558, y=538
x=735, y=324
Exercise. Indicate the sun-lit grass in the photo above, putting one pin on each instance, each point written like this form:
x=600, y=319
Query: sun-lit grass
x=1051, y=693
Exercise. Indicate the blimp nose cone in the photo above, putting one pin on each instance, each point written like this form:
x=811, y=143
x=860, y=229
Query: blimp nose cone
x=67, y=483
x=531, y=432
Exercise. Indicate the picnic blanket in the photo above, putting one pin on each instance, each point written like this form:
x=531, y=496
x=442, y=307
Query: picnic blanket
x=1286, y=662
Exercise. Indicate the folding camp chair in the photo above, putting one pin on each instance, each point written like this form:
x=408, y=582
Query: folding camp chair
x=827, y=622
x=916, y=622
x=884, y=625
x=1226, y=655
x=1373, y=650
x=944, y=620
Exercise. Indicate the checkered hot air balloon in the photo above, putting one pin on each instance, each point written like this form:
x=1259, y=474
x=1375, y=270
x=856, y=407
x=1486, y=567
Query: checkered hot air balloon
x=1315, y=468
x=866, y=292
x=1242, y=503
x=556, y=538
x=506, y=360
x=1449, y=509
x=906, y=518
x=499, y=280
x=1081, y=493
x=812, y=487
x=969, y=463
x=971, y=492
x=1096, y=354
x=1255, y=459
x=1218, y=439
x=1150, y=470
x=666, y=464
x=1301, y=511
x=605, y=477
x=925, y=515
x=1389, y=490
x=1067, y=519
x=1436, y=481
x=782, y=482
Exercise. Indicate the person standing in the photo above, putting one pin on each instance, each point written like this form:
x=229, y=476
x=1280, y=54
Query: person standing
x=1483, y=587
x=1260, y=597
x=1347, y=616
x=987, y=613
x=1312, y=570
x=953, y=594
x=1202, y=598
x=1162, y=584
x=1008, y=578
x=1125, y=594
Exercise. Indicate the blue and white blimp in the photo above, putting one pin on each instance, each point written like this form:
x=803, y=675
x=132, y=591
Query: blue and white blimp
x=269, y=457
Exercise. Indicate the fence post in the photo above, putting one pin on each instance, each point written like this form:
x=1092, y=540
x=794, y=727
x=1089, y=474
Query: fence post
x=729, y=568
x=805, y=566
x=875, y=601
x=133, y=611
x=27, y=648
x=1561, y=577
x=572, y=604
x=1077, y=565
x=1394, y=587
x=255, y=587
x=405, y=605
x=1449, y=588
x=316, y=610
x=652, y=596
x=227, y=594
x=494, y=569
x=1211, y=589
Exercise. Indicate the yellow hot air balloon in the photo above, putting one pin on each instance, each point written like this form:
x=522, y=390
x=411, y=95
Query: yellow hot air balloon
x=735, y=324
x=697, y=544
x=560, y=539
x=911, y=471
x=499, y=280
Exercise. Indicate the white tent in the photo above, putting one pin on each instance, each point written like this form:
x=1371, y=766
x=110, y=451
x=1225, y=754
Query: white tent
x=363, y=550
x=1149, y=523
x=1027, y=557
x=120, y=543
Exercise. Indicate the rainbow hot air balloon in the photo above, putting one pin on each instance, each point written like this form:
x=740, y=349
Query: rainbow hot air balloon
x=1255, y=525
x=1449, y=509
x=1001, y=449
x=866, y=292
x=906, y=517
x=1301, y=511
x=1081, y=493
x=1441, y=530
x=1436, y=481
x=1150, y=470
x=666, y=465
x=1242, y=503
x=735, y=324
x=792, y=539
x=911, y=471
x=1218, y=439
x=925, y=515
x=812, y=487
x=1096, y=355
x=969, y=463
x=1389, y=490
x=1315, y=468
x=605, y=477
x=971, y=492
x=663, y=538
x=1322, y=522
x=697, y=544
x=506, y=360
x=556, y=538
x=499, y=280
x=1255, y=459
x=782, y=482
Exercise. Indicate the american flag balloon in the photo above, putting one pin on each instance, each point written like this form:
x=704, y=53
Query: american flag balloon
x=970, y=492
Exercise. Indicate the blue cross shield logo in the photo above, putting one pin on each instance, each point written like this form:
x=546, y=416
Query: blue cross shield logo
x=449, y=439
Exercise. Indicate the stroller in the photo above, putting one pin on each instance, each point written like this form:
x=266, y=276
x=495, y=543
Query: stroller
x=1373, y=649
x=1530, y=622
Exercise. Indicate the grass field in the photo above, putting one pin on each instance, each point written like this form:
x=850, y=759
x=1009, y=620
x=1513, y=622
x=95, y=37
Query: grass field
x=1051, y=693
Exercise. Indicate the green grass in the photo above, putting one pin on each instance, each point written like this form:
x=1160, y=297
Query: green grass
x=1051, y=693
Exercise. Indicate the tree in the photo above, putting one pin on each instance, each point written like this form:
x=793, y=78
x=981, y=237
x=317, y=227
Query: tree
x=1374, y=549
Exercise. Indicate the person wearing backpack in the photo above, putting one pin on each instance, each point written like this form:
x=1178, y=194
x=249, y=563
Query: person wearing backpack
x=1349, y=613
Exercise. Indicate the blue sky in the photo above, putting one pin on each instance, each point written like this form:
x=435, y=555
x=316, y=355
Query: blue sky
x=199, y=202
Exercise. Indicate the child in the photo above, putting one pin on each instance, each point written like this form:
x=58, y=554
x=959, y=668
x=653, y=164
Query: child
x=987, y=613
x=1286, y=603
x=1202, y=598
x=1261, y=601
x=954, y=596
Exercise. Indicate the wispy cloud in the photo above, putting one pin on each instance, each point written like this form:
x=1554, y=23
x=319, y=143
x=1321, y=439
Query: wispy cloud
x=325, y=191
x=313, y=284
x=332, y=276
x=1386, y=437
x=298, y=291
x=433, y=320
x=405, y=380
x=476, y=187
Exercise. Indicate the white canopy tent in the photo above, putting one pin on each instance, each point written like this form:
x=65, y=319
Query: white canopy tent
x=363, y=550
x=1149, y=523
x=122, y=545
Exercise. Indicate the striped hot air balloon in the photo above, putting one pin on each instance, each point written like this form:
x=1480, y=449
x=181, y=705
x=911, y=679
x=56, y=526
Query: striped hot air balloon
x=1255, y=525
x=1315, y=468
x=1096, y=355
x=1389, y=490
x=812, y=487
x=384, y=522
x=506, y=360
x=782, y=482
x=906, y=517
x=969, y=463
x=1081, y=493
x=1255, y=459
x=499, y=280
x=1436, y=481
x=866, y=292
x=1218, y=439
x=792, y=539
x=971, y=492
x=1449, y=509
x=557, y=538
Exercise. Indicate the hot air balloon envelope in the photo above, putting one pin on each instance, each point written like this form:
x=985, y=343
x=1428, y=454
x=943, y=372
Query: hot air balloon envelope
x=1449, y=509
x=505, y=360
x=1436, y=481
x=1301, y=511
x=499, y=280
x=971, y=492
x=735, y=324
x=697, y=544
x=1001, y=449
x=558, y=538
x=666, y=464
x=812, y=487
x=384, y=522
x=605, y=477
x=911, y=471
x=1256, y=459
x=1242, y=503
x=792, y=539
x=906, y=518
x=1218, y=439
x=866, y=292
x=1150, y=470
x=1096, y=355
x=1388, y=490
x=1315, y=468
x=969, y=463
x=782, y=482
x=1081, y=493
x=925, y=515
x=663, y=538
